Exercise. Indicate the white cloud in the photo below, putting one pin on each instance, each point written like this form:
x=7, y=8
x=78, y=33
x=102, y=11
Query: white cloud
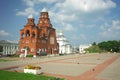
x=83, y=36
x=115, y=25
x=48, y=1
x=64, y=20
x=27, y=12
x=4, y=33
x=66, y=8
x=76, y=11
x=71, y=15
x=62, y=17
x=83, y=25
x=86, y=5
x=30, y=6
x=32, y=3
x=29, y=2
x=74, y=38
x=80, y=38
x=68, y=27
x=111, y=30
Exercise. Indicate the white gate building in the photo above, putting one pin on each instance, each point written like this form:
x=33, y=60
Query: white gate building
x=8, y=47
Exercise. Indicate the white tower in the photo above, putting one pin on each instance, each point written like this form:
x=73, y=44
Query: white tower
x=64, y=46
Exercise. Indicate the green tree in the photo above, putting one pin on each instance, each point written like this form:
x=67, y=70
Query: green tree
x=94, y=43
x=93, y=49
x=113, y=46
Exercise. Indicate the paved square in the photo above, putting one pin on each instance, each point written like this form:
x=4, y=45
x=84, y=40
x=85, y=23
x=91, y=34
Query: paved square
x=103, y=66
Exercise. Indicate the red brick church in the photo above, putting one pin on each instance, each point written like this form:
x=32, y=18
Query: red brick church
x=40, y=37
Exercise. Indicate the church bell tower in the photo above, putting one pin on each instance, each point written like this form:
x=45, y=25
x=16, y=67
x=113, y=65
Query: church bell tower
x=40, y=38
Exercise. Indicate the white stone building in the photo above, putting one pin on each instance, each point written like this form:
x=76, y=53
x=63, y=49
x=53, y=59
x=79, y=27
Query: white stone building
x=83, y=47
x=8, y=47
x=64, y=46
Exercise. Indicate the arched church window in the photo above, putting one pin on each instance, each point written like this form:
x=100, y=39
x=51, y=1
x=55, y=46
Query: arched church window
x=52, y=39
x=38, y=35
x=22, y=35
x=45, y=16
x=33, y=34
x=27, y=33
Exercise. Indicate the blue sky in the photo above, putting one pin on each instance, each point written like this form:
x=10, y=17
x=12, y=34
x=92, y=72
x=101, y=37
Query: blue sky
x=82, y=21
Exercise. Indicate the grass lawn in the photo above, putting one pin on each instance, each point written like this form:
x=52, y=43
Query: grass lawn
x=7, y=75
x=4, y=60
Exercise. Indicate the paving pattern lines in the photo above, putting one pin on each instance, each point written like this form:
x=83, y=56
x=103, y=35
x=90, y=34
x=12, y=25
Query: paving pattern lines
x=88, y=75
x=112, y=72
x=92, y=60
x=25, y=61
x=91, y=74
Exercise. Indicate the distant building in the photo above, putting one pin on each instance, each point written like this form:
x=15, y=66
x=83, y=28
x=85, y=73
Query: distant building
x=83, y=47
x=8, y=47
x=75, y=49
x=40, y=38
x=64, y=46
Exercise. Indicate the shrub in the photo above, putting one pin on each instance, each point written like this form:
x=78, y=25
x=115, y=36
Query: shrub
x=61, y=54
x=29, y=55
x=32, y=67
